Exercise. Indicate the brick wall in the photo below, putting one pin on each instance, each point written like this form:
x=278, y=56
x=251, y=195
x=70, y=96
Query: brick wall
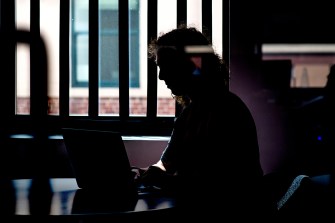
x=166, y=106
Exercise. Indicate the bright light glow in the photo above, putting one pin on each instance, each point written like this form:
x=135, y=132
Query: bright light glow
x=298, y=48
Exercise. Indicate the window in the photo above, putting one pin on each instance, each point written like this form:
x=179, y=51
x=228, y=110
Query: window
x=310, y=62
x=97, y=56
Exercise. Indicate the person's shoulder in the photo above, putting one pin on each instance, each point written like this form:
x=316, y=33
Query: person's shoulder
x=234, y=98
x=236, y=105
x=232, y=95
x=229, y=100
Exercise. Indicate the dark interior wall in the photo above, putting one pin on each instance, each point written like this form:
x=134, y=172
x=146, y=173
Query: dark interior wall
x=251, y=24
x=290, y=21
x=246, y=35
x=245, y=70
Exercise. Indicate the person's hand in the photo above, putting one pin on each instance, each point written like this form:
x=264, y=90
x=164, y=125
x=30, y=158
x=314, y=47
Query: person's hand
x=153, y=176
x=137, y=173
x=149, y=176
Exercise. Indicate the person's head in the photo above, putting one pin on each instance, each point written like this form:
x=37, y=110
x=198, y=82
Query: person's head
x=187, y=62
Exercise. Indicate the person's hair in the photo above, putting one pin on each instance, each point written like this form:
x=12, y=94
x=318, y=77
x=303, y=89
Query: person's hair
x=214, y=69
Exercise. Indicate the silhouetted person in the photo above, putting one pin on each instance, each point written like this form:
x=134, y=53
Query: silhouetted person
x=316, y=131
x=212, y=157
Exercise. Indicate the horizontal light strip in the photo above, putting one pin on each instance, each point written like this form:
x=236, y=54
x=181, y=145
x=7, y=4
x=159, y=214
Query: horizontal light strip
x=298, y=48
x=199, y=49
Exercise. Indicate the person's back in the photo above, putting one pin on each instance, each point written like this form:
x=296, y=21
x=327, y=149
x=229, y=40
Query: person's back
x=219, y=163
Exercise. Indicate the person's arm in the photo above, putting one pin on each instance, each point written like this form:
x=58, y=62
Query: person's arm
x=155, y=173
x=166, y=165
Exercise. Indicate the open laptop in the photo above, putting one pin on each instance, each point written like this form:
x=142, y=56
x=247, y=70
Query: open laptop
x=99, y=160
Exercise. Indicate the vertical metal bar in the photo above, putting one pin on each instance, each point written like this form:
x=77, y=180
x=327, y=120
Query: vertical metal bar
x=181, y=20
x=124, y=58
x=93, y=60
x=152, y=68
x=226, y=31
x=181, y=12
x=7, y=89
x=7, y=52
x=64, y=58
x=7, y=15
x=207, y=18
x=38, y=76
x=34, y=81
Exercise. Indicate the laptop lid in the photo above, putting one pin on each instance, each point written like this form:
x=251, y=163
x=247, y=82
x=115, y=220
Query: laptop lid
x=99, y=159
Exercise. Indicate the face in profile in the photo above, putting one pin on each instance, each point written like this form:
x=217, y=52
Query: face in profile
x=175, y=69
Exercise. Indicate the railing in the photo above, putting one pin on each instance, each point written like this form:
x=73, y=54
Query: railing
x=148, y=125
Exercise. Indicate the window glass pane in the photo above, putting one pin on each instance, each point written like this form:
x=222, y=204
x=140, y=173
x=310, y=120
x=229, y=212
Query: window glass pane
x=49, y=29
x=310, y=62
x=167, y=20
x=108, y=57
x=138, y=100
x=138, y=95
x=79, y=58
x=217, y=25
x=22, y=14
x=23, y=79
x=194, y=13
